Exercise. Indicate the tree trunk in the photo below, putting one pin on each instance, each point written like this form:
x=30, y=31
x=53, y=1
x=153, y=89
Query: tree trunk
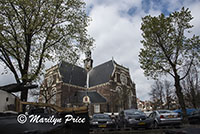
x=181, y=98
x=168, y=104
x=193, y=95
x=24, y=95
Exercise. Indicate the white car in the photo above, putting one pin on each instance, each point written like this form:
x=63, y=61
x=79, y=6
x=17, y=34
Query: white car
x=165, y=118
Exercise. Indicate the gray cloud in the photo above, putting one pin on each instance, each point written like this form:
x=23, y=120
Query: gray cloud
x=118, y=34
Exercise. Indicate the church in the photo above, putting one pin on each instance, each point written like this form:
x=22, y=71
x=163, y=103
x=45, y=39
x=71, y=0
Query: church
x=105, y=88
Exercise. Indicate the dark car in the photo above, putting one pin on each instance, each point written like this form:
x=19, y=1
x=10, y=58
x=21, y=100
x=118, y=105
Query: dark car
x=194, y=118
x=165, y=118
x=101, y=121
x=133, y=118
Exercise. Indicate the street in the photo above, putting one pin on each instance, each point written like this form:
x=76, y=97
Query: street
x=186, y=129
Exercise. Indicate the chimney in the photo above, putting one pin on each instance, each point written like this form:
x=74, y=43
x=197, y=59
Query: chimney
x=88, y=62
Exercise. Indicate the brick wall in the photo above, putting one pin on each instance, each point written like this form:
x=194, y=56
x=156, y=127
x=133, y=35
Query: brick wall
x=67, y=92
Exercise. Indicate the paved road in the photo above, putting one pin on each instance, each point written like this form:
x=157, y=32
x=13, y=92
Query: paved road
x=189, y=129
x=10, y=125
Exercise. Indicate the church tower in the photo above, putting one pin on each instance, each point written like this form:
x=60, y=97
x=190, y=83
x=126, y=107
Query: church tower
x=88, y=62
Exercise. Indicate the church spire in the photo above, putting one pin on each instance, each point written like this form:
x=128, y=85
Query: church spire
x=88, y=61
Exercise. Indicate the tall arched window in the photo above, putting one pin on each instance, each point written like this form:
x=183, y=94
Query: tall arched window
x=53, y=95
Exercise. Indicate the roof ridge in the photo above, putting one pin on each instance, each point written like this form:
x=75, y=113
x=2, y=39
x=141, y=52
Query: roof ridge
x=65, y=62
x=121, y=65
x=103, y=63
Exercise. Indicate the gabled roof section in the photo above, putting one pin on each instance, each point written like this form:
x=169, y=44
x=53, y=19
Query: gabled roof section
x=94, y=96
x=73, y=74
x=101, y=73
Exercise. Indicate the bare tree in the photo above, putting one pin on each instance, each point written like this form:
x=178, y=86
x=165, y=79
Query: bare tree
x=162, y=94
x=157, y=94
x=191, y=88
x=168, y=93
x=49, y=95
x=45, y=94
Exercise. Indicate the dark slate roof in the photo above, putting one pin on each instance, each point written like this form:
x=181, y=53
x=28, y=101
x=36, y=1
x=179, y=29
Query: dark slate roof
x=101, y=73
x=93, y=95
x=73, y=74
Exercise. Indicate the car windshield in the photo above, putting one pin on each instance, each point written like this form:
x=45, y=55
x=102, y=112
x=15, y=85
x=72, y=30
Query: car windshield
x=101, y=116
x=134, y=112
x=165, y=111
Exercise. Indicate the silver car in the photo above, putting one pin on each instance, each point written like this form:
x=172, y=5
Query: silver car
x=165, y=118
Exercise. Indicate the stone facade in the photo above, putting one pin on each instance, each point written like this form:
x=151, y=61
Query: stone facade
x=110, y=80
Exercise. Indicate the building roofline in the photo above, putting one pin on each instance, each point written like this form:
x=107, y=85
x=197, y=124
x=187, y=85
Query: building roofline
x=54, y=66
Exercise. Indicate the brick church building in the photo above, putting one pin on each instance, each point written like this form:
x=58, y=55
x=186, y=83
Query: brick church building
x=105, y=88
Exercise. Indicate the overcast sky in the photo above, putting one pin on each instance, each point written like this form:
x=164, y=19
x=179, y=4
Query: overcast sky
x=115, y=26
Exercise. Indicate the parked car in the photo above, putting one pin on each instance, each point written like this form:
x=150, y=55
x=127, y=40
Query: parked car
x=102, y=121
x=147, y=112
x=133, y=118
x=165, y=118
x=194, y=118
x=188, y=111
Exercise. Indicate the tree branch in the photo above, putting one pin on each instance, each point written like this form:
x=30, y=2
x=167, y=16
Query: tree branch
x=9, y=64
x=18, y=16
x=167, y=71
x=166, y=55
x=190, y=65
x=44, y=47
